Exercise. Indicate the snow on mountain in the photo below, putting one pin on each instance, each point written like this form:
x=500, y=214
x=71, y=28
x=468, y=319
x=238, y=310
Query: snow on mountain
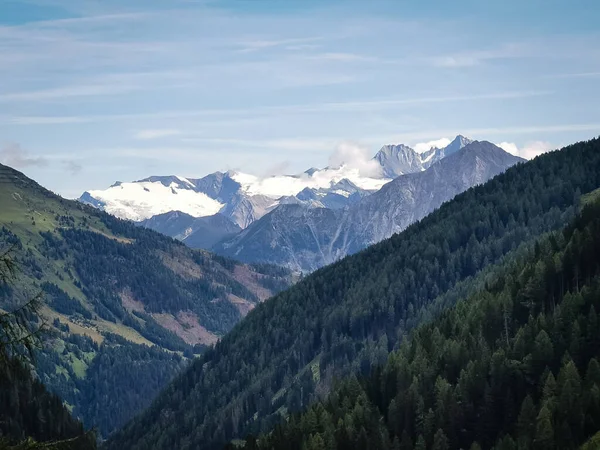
x=286, y=185
x=305, y=239
x=143, y=199
x=244, y=198
x=435, y=154
x=398, y=160
x=240, y=196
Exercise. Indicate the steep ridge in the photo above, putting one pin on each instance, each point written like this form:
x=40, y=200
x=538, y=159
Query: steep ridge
x=515, y=365
x=322, y=237
x=108, y=284
x=195, y=232
x=347, y=317
x=398, y=160
x=244, y=198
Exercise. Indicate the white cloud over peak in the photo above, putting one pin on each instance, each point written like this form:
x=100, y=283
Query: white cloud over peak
x=356, y=157
x=528, y=151
x=439, y=143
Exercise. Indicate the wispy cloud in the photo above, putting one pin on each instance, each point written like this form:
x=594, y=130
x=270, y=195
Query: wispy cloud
x=576, y=75
x=254, y=45
x=73, y=167
x=155, y=133
x=64, y=92
x=14, y=155
x=342, y=57
x=476, y=57
x=106, y=85
x=350, y=106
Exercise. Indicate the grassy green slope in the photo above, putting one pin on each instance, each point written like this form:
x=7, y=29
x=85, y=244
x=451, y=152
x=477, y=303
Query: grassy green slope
x=107, y=283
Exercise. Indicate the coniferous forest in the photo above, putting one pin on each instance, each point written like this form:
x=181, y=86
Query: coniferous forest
x=515, y=365
x=346, y=318
x=30, y=416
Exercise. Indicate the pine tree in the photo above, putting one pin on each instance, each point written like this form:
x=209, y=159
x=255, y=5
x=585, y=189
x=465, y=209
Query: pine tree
x=440, y=441
x=406, y=442
x=544, y=432
x=526, y=422
x=543, y=351
x=592, y=375
x=570, y=413
x=420, y=445
x=549, y=392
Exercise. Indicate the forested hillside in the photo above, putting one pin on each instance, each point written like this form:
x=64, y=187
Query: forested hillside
x=30, y=416
x=514, y=366
x=348, y=316
x=29, y=411
x=112, y=289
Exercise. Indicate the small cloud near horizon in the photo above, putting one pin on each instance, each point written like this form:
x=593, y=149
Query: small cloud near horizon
x=15, y=156
x=439, y=143
x=528, y=151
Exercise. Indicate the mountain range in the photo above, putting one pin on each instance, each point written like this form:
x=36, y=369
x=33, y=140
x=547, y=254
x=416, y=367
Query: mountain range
x=244, y=198
x=305, y=238
x=465, y=376
x=309, y=220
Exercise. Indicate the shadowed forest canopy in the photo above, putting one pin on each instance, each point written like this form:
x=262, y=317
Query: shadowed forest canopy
x=514, y=366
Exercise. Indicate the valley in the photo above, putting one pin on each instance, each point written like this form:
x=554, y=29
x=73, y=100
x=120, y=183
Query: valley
x=299, y=225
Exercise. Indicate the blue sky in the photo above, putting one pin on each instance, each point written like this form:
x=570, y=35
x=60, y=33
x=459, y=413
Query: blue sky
x=94, y=91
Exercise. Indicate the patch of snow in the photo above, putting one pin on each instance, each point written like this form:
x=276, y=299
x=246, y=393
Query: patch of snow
x=342, y=193
x=186, y=181
x=142, y=200
x=289, y=185
x=430, y=154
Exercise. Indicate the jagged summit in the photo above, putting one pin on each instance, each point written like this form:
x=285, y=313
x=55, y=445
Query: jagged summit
x=316, y=238
x=244, y=198
x=397, y=160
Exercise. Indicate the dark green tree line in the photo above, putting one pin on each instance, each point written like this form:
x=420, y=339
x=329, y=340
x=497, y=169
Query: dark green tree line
x=514, y=366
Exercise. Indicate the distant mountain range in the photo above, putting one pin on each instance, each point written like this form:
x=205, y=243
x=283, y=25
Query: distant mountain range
x=244, y=198
x=305, y=238
x=307, y=220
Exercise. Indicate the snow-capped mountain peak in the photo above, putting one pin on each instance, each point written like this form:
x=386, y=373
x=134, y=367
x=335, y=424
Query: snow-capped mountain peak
x=243, y=197
x=143, y=199
x=397, y=160
x=434, y=154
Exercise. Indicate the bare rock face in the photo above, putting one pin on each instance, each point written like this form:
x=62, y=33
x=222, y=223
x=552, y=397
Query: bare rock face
x=305, y=239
